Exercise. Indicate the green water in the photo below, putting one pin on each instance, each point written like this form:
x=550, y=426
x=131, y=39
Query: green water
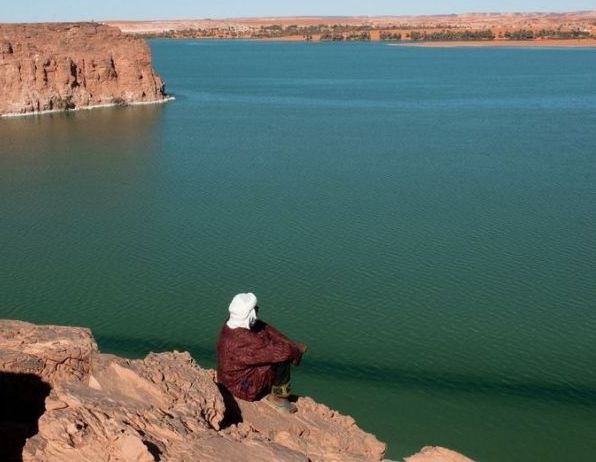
x=424, y=219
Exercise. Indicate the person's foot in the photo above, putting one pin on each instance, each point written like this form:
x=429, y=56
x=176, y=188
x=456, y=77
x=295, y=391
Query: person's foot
x=281, y=404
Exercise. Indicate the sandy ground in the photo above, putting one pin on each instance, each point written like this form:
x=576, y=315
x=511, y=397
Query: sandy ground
x=584, y=43
x=548, y=43
x=496, y=21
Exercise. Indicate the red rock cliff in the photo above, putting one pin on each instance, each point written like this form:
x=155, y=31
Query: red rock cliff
x=68, y=66
x=61, y=400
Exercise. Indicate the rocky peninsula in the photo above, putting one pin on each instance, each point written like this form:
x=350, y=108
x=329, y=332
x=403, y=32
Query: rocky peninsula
x=65, y=66
x=62, y=400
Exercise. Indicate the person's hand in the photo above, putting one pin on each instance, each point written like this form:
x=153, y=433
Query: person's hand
x=303, y=348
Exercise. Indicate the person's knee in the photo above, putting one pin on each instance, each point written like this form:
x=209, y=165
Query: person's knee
x=282, y=373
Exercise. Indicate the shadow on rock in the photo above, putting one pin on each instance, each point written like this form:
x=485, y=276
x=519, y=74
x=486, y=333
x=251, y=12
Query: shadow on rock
x=22, y=402
x=233, y=414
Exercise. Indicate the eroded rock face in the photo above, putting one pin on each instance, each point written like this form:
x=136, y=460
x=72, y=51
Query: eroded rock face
x=162, y=408
x=54, y=353
x=68, y=66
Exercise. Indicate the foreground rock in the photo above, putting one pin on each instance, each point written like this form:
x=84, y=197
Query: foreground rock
x=67, y=66
x=65, y=401
x=437, y=454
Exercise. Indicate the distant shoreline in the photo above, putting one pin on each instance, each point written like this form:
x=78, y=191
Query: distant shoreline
x=545, y=43
x=563, y=29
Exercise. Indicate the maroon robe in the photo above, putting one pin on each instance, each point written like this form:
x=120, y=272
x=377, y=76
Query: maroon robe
x=245, y=358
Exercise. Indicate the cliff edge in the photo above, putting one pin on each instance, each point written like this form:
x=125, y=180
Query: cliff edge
x=63, y=400
x=61, y=66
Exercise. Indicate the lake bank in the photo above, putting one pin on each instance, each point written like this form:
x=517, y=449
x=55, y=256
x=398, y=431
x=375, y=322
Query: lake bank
x=542, y=43
x=64, y=400
x=46, y=67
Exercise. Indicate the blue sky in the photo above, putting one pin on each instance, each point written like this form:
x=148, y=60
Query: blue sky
x=71, y=10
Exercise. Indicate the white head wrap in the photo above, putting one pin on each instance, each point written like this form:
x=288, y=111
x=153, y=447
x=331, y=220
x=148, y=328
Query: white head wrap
x=242, y=311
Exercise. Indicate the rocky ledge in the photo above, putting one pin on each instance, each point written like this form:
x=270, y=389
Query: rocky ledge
x=48, y=67
x=62, y=400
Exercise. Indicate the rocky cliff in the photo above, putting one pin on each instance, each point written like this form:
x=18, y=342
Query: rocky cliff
x=61, y=400
x=67, y=66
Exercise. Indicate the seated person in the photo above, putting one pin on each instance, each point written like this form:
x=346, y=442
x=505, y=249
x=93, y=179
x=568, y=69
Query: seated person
x=253, y=358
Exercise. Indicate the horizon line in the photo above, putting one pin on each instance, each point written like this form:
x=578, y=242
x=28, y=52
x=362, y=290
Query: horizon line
x=240, y=18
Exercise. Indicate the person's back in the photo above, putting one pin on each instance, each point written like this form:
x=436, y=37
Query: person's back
x=253, y=358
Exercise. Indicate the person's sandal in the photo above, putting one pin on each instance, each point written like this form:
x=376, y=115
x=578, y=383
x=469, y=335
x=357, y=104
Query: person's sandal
x=282, y=406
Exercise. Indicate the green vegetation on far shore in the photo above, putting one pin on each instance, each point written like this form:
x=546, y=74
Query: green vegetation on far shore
x=366, y=32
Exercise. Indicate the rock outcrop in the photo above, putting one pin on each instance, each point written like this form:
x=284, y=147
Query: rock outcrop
x=61, y=66
x=437, y=454
x=63, y=400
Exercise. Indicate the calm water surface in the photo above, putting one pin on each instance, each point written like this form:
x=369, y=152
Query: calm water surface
x=424, y=219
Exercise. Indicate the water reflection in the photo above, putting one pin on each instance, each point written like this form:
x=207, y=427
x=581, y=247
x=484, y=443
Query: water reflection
x=109, y=130
x=75, y=193
x=42, y=156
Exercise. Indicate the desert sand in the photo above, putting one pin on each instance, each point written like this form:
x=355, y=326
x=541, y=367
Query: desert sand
x=550, y=29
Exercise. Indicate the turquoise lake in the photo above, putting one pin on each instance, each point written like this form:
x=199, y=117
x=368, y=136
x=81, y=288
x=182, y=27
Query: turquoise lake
x=423, y=219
